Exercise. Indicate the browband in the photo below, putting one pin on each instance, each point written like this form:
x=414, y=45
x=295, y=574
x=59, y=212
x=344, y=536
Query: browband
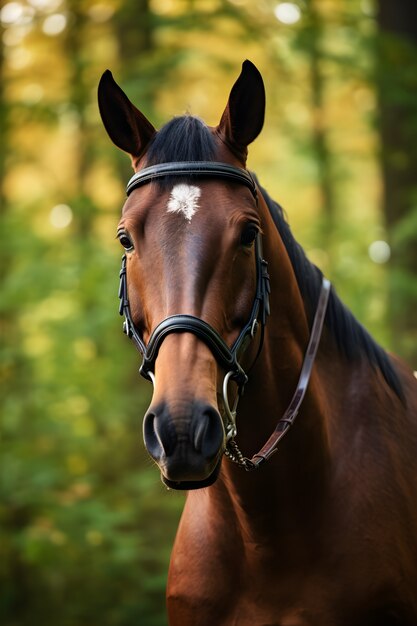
x=192, y=168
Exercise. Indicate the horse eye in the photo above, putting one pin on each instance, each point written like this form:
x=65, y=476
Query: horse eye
x=125, y=241
x=249, y=235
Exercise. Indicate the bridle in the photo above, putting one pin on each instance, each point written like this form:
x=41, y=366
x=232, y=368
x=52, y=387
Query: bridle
x=228, y=358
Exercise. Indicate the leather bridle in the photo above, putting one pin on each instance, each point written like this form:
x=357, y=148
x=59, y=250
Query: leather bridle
x=228, y=358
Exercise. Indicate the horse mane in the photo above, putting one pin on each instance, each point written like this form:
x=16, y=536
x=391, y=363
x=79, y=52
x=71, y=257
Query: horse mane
x=352, y=339
x=188, y=138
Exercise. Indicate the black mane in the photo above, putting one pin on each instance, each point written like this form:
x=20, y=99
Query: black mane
x=187, y=138
x=352, y=339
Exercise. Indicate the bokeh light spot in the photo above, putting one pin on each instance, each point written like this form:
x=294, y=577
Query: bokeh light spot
x=61, y=216
x=379, y=252
x=287, y=13
x=11, y=13
x=54, y=24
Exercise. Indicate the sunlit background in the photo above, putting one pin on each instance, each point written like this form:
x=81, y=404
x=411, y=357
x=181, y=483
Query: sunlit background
x=86, y=525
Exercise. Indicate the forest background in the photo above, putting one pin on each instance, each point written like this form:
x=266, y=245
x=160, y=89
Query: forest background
x=86, y=526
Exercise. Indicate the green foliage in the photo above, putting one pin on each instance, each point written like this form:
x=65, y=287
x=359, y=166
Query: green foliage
x=80, y=501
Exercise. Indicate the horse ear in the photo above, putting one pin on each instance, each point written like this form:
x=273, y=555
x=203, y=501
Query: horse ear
x=244, y=114
x=126, y=126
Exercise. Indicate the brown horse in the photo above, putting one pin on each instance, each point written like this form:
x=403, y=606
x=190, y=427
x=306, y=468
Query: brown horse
x=324, y=533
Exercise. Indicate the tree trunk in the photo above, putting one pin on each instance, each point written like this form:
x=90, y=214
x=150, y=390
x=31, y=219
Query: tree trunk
x=134, y=25
x=397, y=87
x=79, y=96
x=3, y=126
x=319, y=135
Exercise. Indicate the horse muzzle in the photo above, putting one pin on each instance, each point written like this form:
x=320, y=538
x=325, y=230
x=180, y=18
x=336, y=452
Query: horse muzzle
x=186, y=441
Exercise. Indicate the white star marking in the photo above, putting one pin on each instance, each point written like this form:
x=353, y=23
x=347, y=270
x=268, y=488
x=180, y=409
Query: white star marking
x=184, y=199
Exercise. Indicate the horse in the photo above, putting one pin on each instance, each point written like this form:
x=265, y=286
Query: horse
x=249, y=348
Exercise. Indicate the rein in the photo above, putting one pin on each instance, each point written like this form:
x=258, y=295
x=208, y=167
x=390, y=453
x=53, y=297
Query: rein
x=227, y=357
x=288, y=419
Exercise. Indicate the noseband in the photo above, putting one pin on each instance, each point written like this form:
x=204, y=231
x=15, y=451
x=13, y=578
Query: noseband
x=228, y=358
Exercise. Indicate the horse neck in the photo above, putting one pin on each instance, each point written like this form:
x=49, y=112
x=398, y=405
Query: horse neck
x=297, y=471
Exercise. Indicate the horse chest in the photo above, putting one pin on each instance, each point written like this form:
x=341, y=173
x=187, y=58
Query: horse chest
x=302, y=601
x=214, y=579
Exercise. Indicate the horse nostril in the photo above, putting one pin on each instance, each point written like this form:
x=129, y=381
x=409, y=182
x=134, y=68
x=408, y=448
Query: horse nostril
x=159, y=438
x=150, y=437
x=208, y=432
x=200, y=430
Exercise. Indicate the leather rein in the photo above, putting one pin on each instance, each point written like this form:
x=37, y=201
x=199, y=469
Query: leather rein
x=227, y=357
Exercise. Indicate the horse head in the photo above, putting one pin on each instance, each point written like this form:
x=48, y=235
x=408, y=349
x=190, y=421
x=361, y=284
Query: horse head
x=192, y=270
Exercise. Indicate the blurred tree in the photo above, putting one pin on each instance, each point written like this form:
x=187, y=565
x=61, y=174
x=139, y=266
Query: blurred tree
x=397, y=88
x=312, y=38
x=3, y=124
x=135, y=25
x=134, y=28
x=14, y=515
x=79, y=97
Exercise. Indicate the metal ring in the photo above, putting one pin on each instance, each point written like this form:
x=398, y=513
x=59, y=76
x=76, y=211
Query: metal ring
x=231, y=430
